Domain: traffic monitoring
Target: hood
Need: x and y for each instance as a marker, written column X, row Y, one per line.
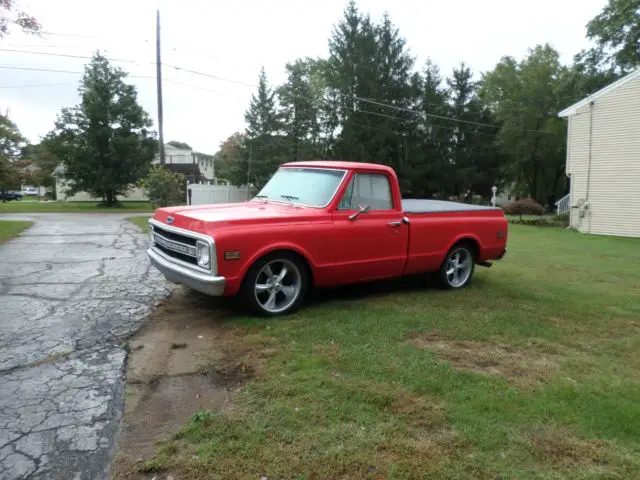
column 197, row 218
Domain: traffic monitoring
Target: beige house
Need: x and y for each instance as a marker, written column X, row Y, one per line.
column 196, row 167
column 603, row 160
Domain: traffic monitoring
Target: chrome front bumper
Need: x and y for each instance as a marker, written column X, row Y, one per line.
column 202, row 282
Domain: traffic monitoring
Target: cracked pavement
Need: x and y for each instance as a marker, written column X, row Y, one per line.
column 72, row 287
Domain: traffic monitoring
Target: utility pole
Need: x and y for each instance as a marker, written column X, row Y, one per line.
column 249, row 166
column 159, row 80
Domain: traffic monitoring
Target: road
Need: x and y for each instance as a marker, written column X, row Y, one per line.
column 72, row 287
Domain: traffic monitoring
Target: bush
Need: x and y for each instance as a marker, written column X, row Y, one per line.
column 539, row 222
column 526, row 206
column 562, row 218
column 163, row 187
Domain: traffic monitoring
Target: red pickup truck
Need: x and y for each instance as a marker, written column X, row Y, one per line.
column 321, row 224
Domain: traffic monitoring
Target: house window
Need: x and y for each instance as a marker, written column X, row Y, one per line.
column 367, row 189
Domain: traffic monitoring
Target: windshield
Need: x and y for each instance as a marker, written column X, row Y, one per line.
column 312, row 187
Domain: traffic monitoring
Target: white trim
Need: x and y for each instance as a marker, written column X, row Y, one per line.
column 567, row 112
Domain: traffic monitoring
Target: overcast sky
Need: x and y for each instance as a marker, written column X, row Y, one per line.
column 233, row 39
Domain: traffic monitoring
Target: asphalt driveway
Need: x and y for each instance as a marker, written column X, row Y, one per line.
column 72, row 287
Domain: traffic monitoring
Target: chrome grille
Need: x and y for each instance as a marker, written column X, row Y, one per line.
column 175, row 245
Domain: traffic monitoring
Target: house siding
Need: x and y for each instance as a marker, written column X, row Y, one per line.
column 135, row 194
column 610, row 128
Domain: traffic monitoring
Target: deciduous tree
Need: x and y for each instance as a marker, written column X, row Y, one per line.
column 231, row 159
column 525, row 97
column 616, row 31
column 11, row 143
column 164, row 187
column 11, row 15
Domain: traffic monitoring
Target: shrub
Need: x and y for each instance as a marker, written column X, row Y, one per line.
column 526, row 206
column 538, row 222
column 562, row 218
column 164, row 187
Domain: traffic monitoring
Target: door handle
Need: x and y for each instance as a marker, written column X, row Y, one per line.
column 395, row 224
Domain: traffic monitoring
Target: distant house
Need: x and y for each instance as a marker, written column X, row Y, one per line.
column 27, row 169
column 196, row 167
column 603, row 160
column 203, row 171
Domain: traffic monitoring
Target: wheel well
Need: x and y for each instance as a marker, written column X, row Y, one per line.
column 472, row 243
column 302, row 258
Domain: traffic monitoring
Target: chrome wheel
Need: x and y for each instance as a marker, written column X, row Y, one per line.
column 277, row 285
column 459, row 265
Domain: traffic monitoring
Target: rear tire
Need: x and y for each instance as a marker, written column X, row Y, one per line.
column 275, row 285
column 458, row 267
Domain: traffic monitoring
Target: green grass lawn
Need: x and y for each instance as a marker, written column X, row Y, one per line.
column 12, row 228
column 39, row 207
column 142, row 222
column 531, row 372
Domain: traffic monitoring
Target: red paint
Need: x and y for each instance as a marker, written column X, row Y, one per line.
column 338, row 250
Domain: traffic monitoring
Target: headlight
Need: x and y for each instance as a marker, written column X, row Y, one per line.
column 202, row 254
column 150, row 228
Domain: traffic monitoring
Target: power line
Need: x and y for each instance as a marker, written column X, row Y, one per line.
column 35, row 69
column 52, row 70
column 67, row 55
column 325, row 102
column 216, row 77
column 74, row 35
column 237, row 82
column 431, row 115
column 36, row 85
column 145, row 77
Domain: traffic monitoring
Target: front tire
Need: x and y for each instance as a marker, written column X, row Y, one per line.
column 276, row 284
column 458, row 267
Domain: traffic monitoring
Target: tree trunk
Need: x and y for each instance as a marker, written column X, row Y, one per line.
column 110, row 198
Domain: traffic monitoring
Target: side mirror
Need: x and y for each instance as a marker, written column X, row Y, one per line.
column 361, row 209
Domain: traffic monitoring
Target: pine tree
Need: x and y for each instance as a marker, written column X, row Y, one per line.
column 264, row 141
column 299, row 110
column 432, row 170
column 104, row 142
column 392, row 86
column 369, row 66
column 474, row 158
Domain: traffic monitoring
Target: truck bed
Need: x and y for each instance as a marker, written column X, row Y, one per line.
column 439, row 206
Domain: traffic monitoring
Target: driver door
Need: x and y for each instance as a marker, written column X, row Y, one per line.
column 373, row 244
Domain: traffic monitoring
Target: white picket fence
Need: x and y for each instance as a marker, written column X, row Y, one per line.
column 203, row 194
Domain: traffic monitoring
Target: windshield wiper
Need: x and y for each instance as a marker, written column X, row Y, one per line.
column 290, row 197
column 259, row 197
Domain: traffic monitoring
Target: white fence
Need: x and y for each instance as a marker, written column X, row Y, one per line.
column 564, row 204
column 201, row 194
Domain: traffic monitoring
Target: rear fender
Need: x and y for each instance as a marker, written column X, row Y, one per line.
column 469, row 237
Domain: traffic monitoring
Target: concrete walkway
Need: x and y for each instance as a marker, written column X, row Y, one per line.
column 72, row 287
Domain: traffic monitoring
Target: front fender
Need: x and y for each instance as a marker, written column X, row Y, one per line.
column 234, row 284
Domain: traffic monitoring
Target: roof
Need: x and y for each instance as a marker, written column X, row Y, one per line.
column 339, row 165
column 567, row 112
